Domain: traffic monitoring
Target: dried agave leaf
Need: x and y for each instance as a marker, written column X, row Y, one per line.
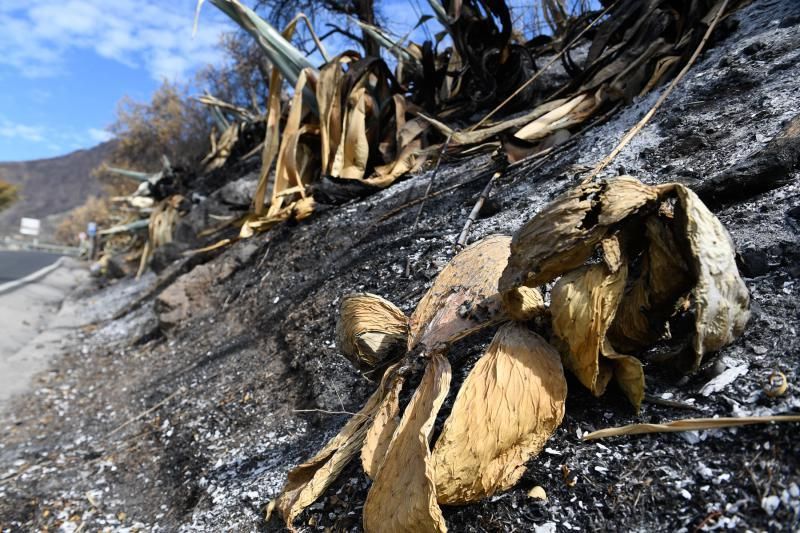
column 371, row 330
column 403, row 496
column 523, row 303
column 329, row 90
column 543, row 126
column 221, row 149
column 721, row 299
column 583, row 304
column 353, row 152
column 381, row 431
column 285, row 176
column 565, row 233
column 463, row 296
column 507, row 408
column 650, row 299
column 481, row 135
column 628, row 373
column 306, row 482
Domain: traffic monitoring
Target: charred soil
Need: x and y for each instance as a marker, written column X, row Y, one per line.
column 153, row 422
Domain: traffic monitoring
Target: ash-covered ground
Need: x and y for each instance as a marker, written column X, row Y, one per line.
column 186, row 415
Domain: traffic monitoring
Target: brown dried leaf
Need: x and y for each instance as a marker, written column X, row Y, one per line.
column 381, row 430
column 306, row 482
column 583, row 304
column 403, row 496
column 721, row 299
column 463, row 296
column 523, row 303
column 353, row 152
column 545, row 125
column 371, row 331
column 507, row 408
column 565, row 233
column 628, row 373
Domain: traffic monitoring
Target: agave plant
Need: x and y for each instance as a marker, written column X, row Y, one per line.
column 512, row 400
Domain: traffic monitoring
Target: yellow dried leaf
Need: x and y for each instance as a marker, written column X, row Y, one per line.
column 463, row 296
column 381, row 430
column 543, row 126
column 371, row 330
column 285, row 177
column 565, row 233
column 523, row 303
column 507, row 408
column 303, row 208
column 628, row 373
column 583, row 304
column 329, row 101
column 306, row 482
column 721, row 299
column 355, row 147
column 403, row 496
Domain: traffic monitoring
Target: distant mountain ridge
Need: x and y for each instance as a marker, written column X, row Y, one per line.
column 51, row 186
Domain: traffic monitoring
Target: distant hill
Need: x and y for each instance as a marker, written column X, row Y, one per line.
column 51, row 186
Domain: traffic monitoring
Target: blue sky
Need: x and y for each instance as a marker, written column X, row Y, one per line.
column 64, row 64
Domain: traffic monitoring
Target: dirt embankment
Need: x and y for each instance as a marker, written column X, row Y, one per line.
column 192, row 421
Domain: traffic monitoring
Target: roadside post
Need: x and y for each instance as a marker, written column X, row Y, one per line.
column 91, row 230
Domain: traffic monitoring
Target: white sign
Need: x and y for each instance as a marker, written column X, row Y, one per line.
column 29, row 226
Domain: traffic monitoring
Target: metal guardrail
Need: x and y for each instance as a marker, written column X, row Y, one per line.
column 13, row 244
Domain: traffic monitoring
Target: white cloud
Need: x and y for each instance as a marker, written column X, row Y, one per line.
column 152, row 34
column 14, row 130
column 100, row 136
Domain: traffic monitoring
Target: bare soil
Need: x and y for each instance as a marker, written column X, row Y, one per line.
column 148, row 425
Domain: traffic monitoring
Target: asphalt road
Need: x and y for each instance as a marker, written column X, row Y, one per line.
column 18, row 264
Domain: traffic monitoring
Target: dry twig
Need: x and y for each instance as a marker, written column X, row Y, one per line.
column 689, row 424
column 473, row 216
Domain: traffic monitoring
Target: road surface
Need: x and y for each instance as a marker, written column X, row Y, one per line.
column 18, row 264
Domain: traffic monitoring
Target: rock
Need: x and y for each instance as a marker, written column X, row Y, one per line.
column 166, row 254
column 765, row 170
column 753, row 48
column 789, row 21
column 752, row 262
column 237, row 193
column 794, row 213
column 190, row 295
column 770, row 504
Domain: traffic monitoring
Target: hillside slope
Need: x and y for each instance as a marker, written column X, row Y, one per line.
column 155, row 423
column 51, row 186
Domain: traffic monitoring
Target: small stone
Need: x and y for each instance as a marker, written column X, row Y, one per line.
column 754, row 48
column 770, row 504
column 537, row 493
column 759, row 350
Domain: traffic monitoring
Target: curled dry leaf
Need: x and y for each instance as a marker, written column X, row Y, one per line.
column 463, row 296
column 507, row 408
column 371, row 331
column 564, row 234
column 403, row 496
column 721, row 299
column 523, row 303
column 382, row 429
column 306, row 482
column 583, row 304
